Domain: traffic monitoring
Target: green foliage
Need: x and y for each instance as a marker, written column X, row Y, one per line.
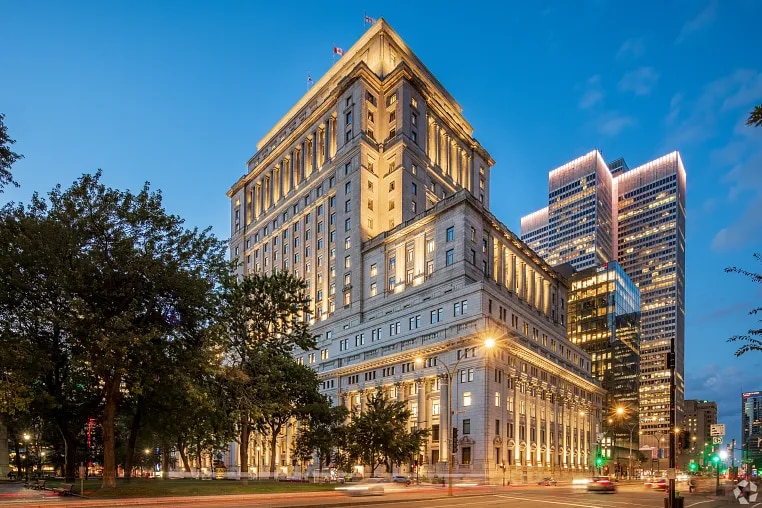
column 262, row 323
column 322, row 431
column 751, row 340
column 106, row 292
column 7, row 157
column 380, row 434
column 755, row 117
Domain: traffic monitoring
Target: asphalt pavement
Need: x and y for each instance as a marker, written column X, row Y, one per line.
column 633, row 495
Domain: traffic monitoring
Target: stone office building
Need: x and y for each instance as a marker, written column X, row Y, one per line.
column 373, row 189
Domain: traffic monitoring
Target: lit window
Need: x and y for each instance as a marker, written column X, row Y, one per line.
column 373, row 270
column 466, row 400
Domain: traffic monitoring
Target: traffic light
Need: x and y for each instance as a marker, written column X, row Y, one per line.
column 715, row 459
column 599, row 461
column 454, row 439
column 692, row 467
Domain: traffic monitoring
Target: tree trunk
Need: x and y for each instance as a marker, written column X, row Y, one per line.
column 273, row 451
column 244, row 449
column 109, row 421
column 198, row 456
column 129, row 457
column 70, row 453
column 164, row 461
column 183, row 455
column 17, row 459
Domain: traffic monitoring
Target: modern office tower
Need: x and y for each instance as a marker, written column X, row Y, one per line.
column 646, row 235
column 751, row 432
column 604, row 320
column 373, row 188
column 698, row 417
column 579, row 217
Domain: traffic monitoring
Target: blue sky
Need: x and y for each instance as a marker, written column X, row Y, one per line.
column 178, row 94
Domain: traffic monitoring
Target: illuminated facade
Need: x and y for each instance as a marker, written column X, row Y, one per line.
column 646, row 235
column 604, row 320
column 373, row 189
column 751, row 431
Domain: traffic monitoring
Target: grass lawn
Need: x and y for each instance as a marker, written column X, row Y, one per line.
column 151, row 487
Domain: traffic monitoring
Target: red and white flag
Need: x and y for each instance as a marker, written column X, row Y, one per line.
column 338, row 51
column 369, row 20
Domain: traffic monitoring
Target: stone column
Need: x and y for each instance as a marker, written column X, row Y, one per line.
column 516, row 421
column 444, row 419
column 4, row 458
column 422, row 409
column 547, row 429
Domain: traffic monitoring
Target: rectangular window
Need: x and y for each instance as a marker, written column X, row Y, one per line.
column 466, row 402
column 347, row 261
column 347, row 224
column 373, row 270
column 373, row 289
column 449, row 257
column 466, row 424
column 436, row 315
column 450, row 233
column 430, row 246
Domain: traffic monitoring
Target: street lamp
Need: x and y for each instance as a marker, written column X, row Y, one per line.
column 488, row 343
column 622, row 412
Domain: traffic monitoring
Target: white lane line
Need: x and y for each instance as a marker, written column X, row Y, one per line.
column 566, row 503
column 700, row 502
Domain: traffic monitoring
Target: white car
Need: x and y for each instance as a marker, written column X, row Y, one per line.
column 365, row 487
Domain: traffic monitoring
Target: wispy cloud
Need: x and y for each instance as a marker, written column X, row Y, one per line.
column 701, row 20
column 633, row 47
column 612, row 123
column 593, row 92
column 640, row 81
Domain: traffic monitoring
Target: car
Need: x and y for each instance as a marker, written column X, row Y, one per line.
column 660, row 484
column 600, row 484
column 400, row 478
column 548, row 482
column 365, row 487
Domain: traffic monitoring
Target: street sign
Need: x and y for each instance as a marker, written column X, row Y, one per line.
column 717, row 429
column 717, row 440
column 671, row 473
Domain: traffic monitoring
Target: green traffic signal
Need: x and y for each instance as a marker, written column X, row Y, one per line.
column 598, row 461
column 692, row 466
column 715, row 458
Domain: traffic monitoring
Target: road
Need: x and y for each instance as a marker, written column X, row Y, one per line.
column 627, row 496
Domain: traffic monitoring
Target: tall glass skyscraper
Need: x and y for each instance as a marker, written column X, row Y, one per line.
column 604, row 320
column 644, row 230
column 751, row 431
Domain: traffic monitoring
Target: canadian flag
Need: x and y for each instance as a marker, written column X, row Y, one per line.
column 338, row 51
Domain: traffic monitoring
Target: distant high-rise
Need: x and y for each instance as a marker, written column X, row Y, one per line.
column 600, row 212
column 751, row 430
column 698, row 417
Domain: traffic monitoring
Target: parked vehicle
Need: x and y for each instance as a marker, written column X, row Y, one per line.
column 399, row 478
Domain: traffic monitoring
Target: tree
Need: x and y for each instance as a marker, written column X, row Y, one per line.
column 288, row 391
column 262, row 319
column 322, row 432
column 7, row 157
column 379, row 434
column 751, row 340
column 755, row 117
column 129, row 291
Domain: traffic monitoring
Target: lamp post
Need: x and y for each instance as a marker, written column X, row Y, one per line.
column 489, row 343
column 622, row 412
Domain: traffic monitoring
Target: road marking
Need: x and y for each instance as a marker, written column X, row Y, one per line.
column 700, row 502
column 565, row 503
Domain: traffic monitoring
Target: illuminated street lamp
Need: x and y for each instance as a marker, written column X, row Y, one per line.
column 488, row 343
